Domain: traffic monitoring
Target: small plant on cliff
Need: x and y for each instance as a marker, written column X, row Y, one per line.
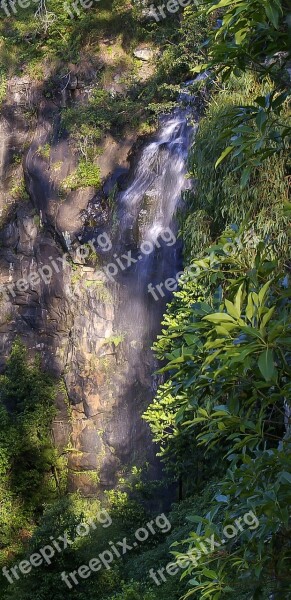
column 19, row 191
column 86, row 175
column 44, row 151
column 3, row 87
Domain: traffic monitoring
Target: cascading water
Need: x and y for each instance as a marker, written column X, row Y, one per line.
column 147, row 230
column 147, row 225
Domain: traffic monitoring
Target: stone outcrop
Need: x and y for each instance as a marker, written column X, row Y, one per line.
column 62, row 307
column 144, row 53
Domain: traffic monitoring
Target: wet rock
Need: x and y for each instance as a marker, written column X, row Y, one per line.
column 89, row 439
column 9, row 235
column 85, row 461
column 109, row 470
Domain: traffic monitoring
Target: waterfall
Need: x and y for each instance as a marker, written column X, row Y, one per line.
column 147, row 232
column 147, row 221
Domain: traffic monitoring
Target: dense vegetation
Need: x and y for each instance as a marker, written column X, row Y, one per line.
column 227, row 334
column 221, row 418
column 28, row 461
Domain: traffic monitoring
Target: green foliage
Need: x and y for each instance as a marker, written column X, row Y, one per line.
column 45, row 151
column 133, row 591
column 103, row 113
column 18, row 190
column 3, row 86
column 255, row 36
column 28, row 462
column 64, row 516
column 219, row 199
column 180, row 451
column 259, row 132
column 86, row 174
column 249, row 32
column 31, row 36
column 229, row 389
column 227, row 350
column 143, row 101
column 115, row 340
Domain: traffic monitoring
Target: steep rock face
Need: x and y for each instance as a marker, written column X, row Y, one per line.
column 61, row 306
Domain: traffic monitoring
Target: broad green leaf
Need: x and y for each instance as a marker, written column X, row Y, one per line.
column 280, row 99
column 212, row 345
column 250, row 310
column 224, row 154
column 209, row 573
column 220, row 4
column 220, row 330
column 222, row 407
column 241, row 356
column 190, row 339
column 232, row 310
column 245, row 176
column 219, row 318
column 240, row 36
column 194, row 582
column 234, row 405
column 227, row 327
column 199, row 68
column 266, row 318
column 238, row 299
column 272, row 13
column 263, row 291
column 266, row 364
column 261, row 120
column 203, row 412
column 261, row 100
column 194, row 519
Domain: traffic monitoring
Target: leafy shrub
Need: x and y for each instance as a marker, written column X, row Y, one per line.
column 86, row 174
column 219, row 199
column 229, row 389
column 28, row 460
